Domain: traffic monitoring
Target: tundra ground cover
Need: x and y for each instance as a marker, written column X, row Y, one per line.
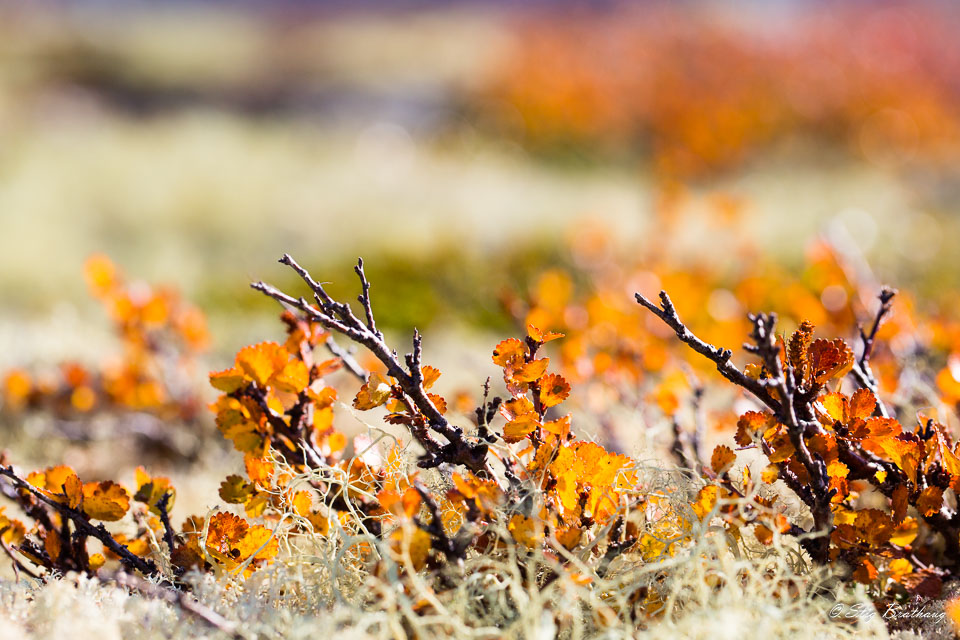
column 564, row 451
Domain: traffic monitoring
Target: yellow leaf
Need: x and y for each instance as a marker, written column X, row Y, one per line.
column 706, row 500
column 228, row 380
column 770, row 474
column 526, row 531
column 413, row 540
column 905, row 533
column 292, row 378
column 260, row 361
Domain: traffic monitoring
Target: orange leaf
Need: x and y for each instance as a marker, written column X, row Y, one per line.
column 374, row 392
column 829, row 359
column 836, row 405
column 516, row 430
column 763, row 534
column 150, row 490
column 323, row 398
column 509, row 353
column 862, row 404
column 553, row 390
column 100, row 273
column 898, row 502
column 260, row 361
column 781, row 447
column 532, row 371
column 430, row 376
column 559, row 427
column 517, row 407
column 930, row 501
column 541, row 336
column 751, row 423
column 866, row 572
column 61, row 483
column 951, row 463
column 52, row 545
column 438, row 402
column 706, row 500
column 770, row 474
column 904, row 454
column 415, row 541
column 105, row 500
column 722, row 459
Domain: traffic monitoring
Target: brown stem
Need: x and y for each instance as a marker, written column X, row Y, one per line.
column 339, row 317
column 83, row 526
column 720, row 357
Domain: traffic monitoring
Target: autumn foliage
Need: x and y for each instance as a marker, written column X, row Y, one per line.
column 833, row 453
column 643, row 80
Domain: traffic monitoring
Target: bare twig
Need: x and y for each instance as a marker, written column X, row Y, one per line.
column 162, row 507
column 677, row 445
column 861, row 370
column 174, row 596
column 439, row 538
column 339, row 317
column 82, row 525
column 720, row 357
column 349, row 362
column 789, row 403
column 364, row 298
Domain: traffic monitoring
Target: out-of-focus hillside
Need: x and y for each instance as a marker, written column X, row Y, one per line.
column 195, row 144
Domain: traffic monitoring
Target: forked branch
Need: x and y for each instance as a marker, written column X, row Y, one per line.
column 82, row 525
column 861, row 370
column 339, row 317
column 720, row 357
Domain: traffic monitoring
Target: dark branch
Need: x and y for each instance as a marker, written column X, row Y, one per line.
column 861, row 371
column 720, row 357
column 349, row 362
column 82, row 525
column 173, row 596
column 162, row 507
column 364, row 298
column 339, row 317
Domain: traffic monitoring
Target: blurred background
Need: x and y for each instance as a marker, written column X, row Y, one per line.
column 461, row 148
